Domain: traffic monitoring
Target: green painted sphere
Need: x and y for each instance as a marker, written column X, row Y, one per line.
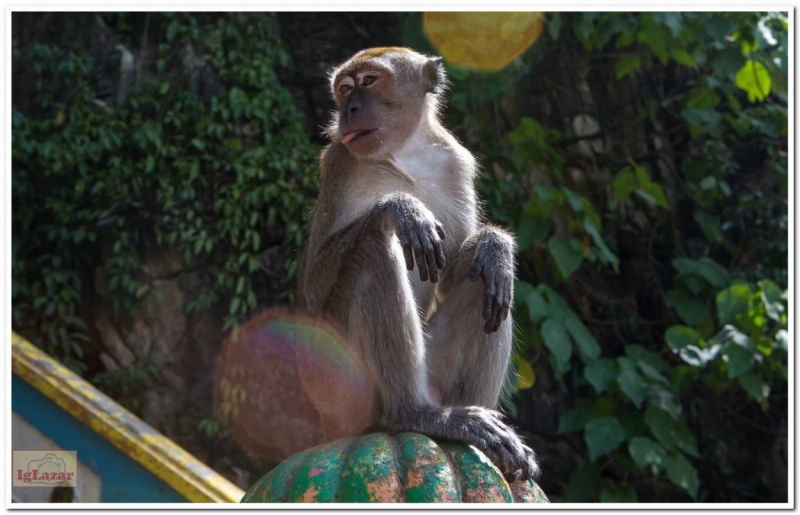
column 407, row 467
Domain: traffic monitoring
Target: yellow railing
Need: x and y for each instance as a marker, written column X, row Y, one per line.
column 158, row 454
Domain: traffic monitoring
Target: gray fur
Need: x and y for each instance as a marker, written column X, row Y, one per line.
column 435, row 344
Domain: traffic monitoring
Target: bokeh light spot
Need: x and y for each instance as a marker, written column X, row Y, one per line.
column 483, row 41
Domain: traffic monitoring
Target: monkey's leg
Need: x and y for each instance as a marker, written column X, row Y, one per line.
column 373, row 300
column 470, row 334
column 467, row 367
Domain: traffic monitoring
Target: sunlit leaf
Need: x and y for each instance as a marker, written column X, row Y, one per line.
column 526, row 377
column 754, row 78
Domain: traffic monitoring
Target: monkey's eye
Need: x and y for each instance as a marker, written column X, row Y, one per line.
column 345, row 88
column 369, row 80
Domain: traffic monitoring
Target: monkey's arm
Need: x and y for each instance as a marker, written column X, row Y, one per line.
column 418, row 231
column 487, row 254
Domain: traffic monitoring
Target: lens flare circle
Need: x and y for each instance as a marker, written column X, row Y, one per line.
column 482, row 41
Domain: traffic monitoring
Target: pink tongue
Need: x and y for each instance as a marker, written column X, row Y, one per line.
column 347, row 138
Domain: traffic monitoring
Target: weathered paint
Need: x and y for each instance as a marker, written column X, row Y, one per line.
column 156, row 453
column 481, row 481
column 407, row 467
column 429, row 477
column 317, row 480
column 372, row 473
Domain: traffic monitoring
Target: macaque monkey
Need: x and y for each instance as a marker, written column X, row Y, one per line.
column 397, row 192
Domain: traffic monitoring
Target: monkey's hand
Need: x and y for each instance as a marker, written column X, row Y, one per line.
column 419, row 233
column 494, row 263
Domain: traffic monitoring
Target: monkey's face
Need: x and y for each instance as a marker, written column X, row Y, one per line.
column 365, row 118
column 380, row 97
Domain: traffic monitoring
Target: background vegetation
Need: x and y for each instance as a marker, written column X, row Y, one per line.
column 641, row 159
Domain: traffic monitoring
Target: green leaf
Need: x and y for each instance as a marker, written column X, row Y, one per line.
column 771, row 296
column 661, row 425
column 600, row 374
column 587, row 344
column 653, row 35
column 575, row 419
column 718, row 27
column 624, row 184
column 680, row 336
column 682, row 56
column 566, row 258
column 727, row 62
column 608, row 256
column 670, row 19
column 584, row 484
column 531, row 229
column 692, row 310
column 712, row 272
column 658, row 395
column 754, row 78
column 703, row 98
column 557, row 340
column 685, row 439
column 739, row 359
column 710, row 225
column 603, row 435
column 683, row 474
column 575, row 200
column 643, row 356
column 619, row 495
column 537, row 306
column 707, row 119
column 627, row 65
column 646, row 452
column 731, row 301
column 554, row 25
column 633, row 385
column 754, row 386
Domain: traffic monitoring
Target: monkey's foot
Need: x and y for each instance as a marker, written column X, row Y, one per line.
column 485, row 429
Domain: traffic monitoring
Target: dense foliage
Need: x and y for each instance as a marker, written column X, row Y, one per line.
column 99, row 185
column 652, row 225
column 705, row 332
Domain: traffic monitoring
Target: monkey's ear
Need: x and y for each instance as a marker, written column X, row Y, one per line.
column 434, row 72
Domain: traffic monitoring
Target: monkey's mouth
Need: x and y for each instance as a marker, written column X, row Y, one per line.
column 352, row 136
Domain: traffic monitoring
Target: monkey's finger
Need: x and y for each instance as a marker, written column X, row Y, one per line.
column 420, row 258
column 440, row 260
column 506, row 303
column 409, row 256
column 430, row 259
column 497, row 309
column 504, row 313
column 440, row 231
